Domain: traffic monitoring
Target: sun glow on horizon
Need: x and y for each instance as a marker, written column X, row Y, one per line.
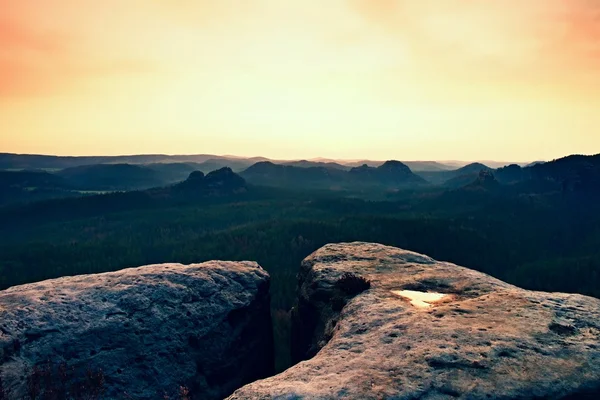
column 381, row 79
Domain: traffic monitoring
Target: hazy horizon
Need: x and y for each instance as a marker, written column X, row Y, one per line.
column 312, row 159
column 349, row 79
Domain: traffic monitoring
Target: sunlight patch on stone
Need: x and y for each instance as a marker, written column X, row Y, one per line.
column 419, row 299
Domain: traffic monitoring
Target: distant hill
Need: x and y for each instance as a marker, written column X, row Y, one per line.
column 270, row 174
column 27, row 186
column 138, row 172
column 34, row 161
column 415, row 166
column 213, row 164
column 210, row 161
column 391, row 174
column 308, row 164
column 32, row 179
column 454, row 178
column 471, row 168
column 216, row 183
column 218, row 186
column 38, row 185
column 513, row 173
column 455, row 164
column 535, row 163
column 576, row 173
column 112, row 177
column 370, row 163
column 427, row 166
column 174, row 172
column 485, row 181
column 574, row 178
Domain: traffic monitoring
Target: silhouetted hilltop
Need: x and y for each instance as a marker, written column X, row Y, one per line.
column 455, row 178
column 363, row 171
column 224, row 179
column 472, row 168
column 485, row 181
column 534, row 163
column 576, row 173
column 395, row 169
column 413, row 165
column 270, row 174
column 512, row 173
column 390, row 172
column 567, row 167
column 217, row 183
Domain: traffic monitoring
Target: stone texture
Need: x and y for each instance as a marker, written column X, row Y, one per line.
column 484, row 340
column 149, row 329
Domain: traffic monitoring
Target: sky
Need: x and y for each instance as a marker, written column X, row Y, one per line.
column 503, row 80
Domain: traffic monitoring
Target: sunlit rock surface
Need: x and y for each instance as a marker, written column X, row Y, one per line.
column 149, row 330
column 420, row 299
column 484, row 339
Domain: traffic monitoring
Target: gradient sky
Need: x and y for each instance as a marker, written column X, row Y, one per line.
column 380, row 79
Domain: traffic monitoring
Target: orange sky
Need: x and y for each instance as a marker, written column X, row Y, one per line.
column 380, row 79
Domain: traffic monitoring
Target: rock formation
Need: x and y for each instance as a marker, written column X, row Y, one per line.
column 432, row 330
column 216, row 183
column 139, row 333
column 485, row 181
column 390, row 172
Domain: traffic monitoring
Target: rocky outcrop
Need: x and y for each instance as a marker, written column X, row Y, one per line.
column 484, row 181
column 139, row 333
column 432, row 330
column 216, row 183
column 389, row 173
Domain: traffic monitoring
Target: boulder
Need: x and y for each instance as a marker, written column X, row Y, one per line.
column 160, row 331
column 426, row 329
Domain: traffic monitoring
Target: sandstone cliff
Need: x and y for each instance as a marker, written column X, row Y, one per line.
column 139, row 333
column 432, row 330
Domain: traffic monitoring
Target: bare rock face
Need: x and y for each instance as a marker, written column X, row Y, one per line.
column 432, row 330
column 154, row 332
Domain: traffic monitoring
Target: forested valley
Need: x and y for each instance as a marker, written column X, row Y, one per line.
column 545, row 240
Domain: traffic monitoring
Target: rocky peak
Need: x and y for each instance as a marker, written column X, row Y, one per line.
column 263, row 166
column 224, row 178
column 390, row 172
column 395, row 167
column 196, row 176
column 219, row 182
column 485, row 180
column 363, row 169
